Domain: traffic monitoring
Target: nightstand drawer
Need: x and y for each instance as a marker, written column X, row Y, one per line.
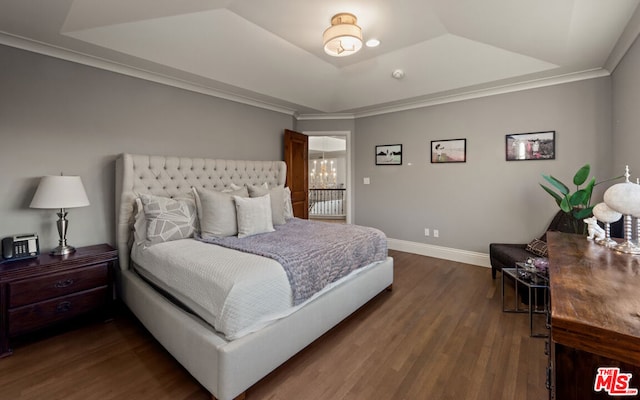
column 49, row 286
column 35, row 316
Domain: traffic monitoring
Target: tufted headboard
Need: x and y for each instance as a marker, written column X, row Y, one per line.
column 174, row 177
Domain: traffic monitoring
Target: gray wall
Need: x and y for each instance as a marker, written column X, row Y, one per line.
column 626, row 113
column 486, row 199
column 59, row 116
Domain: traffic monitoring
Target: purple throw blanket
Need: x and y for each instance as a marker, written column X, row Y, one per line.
column 313, row 254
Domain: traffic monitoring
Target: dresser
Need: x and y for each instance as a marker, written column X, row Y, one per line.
column 595, row 320
column 48, row 290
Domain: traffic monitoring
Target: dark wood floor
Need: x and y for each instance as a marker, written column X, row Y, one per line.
column 440, row 334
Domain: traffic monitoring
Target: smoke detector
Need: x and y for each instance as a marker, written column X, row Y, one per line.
column 398, row 74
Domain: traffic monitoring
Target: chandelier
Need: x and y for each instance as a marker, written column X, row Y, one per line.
column 325, row 177
column 343, row 37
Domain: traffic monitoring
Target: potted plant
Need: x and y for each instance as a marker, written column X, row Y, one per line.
column 577, row 205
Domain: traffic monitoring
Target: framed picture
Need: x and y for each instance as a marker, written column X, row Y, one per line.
column 531, row 146
column 449, row 151
column 389, row 154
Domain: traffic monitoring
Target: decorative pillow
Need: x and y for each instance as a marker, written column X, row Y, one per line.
column 140, row 224
column 288, row 207
column 277, row 201
column 168, row 219
column 217, row 212
column 538, row 247
column 254, row 215
column 232, row 188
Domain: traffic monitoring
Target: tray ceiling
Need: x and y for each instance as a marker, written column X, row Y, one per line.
column 270, row 52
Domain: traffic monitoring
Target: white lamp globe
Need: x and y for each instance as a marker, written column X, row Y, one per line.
column 623, row 198
column 604, row 213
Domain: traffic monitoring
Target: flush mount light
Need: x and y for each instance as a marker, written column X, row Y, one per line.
column 343, row 37
column 373, row 43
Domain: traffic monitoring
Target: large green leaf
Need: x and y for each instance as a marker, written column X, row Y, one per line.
column 581, row 197
column 552, row 193
column 581, row 176
column 557, row 184
column 590, row 185
column 582, row 213
column 564, row 205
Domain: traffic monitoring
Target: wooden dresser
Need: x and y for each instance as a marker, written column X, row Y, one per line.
column 595, row 320
column 48, row 290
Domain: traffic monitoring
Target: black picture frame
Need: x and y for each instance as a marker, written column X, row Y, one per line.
column 448, row 151
column 389, row 154
column 532, row 146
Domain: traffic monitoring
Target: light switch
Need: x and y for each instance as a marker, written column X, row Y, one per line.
column 367, row 181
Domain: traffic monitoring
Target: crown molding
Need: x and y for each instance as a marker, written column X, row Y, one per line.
column 327, row 116
column 533, row 84
column 624, row 43
column 100, row 63
column 96, row 62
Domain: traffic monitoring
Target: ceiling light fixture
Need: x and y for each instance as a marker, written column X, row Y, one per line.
column 373, row 43
column 343, row 37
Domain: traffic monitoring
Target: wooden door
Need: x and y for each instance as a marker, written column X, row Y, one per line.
column 296, row 156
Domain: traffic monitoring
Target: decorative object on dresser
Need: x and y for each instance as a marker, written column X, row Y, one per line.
column 606, row 215
column 576, row 205
column 48, row 290
column 625, row 198
column 60, row 192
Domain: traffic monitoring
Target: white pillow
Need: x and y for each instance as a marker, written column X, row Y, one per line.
column 288, row 207
column 277, row 201
column 254, row 215
column 217, row 212
column 140, row 224
column 167, row 219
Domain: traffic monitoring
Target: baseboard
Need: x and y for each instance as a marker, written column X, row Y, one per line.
column 446, row 253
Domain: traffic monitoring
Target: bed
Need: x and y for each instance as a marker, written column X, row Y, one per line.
column 225, row 366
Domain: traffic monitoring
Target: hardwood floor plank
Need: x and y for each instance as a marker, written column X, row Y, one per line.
column 440, row 334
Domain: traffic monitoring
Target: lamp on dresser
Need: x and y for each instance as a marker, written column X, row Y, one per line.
column 60, row 192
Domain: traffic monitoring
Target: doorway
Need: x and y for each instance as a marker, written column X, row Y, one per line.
column 329, row 175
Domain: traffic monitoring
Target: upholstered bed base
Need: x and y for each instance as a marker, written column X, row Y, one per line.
column 228, row 369
column 225, row 368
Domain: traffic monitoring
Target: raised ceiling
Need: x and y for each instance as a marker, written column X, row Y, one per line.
column 269, row 52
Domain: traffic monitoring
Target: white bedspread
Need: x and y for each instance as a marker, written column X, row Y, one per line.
column 237, row 293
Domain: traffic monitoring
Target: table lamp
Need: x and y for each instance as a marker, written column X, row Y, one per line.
column 60, row 192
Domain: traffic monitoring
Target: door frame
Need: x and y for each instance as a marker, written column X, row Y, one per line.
column 349, row 191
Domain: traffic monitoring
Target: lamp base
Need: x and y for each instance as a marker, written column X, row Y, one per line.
column 62, row 250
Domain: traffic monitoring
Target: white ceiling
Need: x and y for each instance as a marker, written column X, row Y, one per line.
column 269, row 52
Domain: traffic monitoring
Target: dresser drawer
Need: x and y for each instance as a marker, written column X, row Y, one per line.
column 35, row 316
column 47, row 287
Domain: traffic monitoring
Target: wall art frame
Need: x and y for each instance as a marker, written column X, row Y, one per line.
column 389, row 154
column 448, row 151
column 530, row 146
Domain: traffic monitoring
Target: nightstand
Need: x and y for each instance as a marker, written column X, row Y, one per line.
column 47, row 290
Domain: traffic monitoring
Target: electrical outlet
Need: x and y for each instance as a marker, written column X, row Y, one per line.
column 426, row 231
column 436, row 233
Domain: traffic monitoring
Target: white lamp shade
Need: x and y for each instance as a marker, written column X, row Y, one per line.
column 624, row 198
column 60, row 191
column 605, row 214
